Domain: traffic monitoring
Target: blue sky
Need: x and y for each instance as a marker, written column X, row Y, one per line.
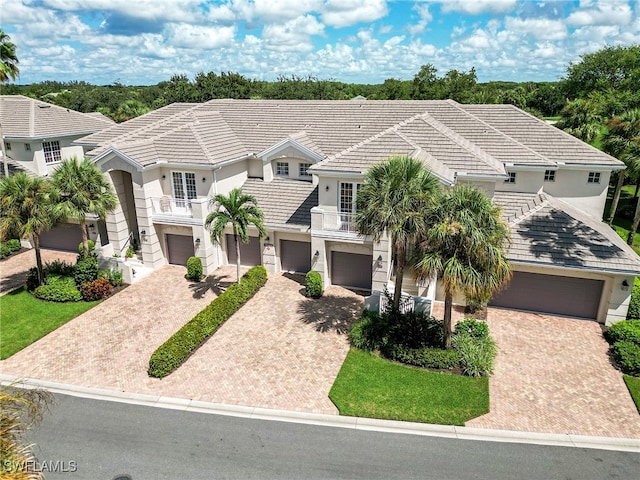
column 139, row 42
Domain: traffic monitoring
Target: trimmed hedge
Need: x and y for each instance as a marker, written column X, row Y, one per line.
column 627, row 357
column 194, row 269
column 428, row 357
column 179, row 347
column 634, row 304
column 313, row 284
column 627, row 331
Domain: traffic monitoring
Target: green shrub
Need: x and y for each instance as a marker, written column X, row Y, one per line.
column 477, row 354
column 130, row 253
column 14, row 245
column 113, row 275
column 5, row 251
column 92, row 247
column 96, row 290
column 427, row 357
column 172, row 353
column 634, row 304
column 625, row 331
column 31, row 280
column 58, row 289
column 370, row 332
column 194, row 269
column 415, row 330
column 86, row 270
column 313, row 284
column 59, row 267
column 627, row 357
column 472, row 328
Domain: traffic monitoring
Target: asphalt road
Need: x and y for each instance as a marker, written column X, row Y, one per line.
column 95, row 440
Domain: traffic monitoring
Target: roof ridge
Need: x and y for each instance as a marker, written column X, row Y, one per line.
column 457, row 106
column 32, row 118
column 462, row 141
column 534, row 207
column 192, row 126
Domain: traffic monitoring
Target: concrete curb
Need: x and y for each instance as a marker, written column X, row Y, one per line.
column 357, row 423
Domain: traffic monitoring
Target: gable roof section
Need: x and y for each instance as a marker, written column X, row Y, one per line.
column 547, row 231
column 23, row 117
column 286, row 203
column 549, row 141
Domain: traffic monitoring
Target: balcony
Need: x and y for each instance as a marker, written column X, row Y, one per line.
column 171, row 207
column 339, row 222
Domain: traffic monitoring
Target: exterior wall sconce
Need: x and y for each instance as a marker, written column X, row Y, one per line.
column 143, row 232
column 204, row 179
column 164, row 176
column 266, row 239
column 326, row 188
column 625, row 285
column 379, row 261
column 197, row 242
column 317, row 254
column 92, row 227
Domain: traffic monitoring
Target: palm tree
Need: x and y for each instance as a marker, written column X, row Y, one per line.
column 392, row 201
column 20, row 409
column 8, row 59
column 622, row 140
column 464, row 246
column 26, row 210
column 581, row 119
column 81, row 189
column 239, row 210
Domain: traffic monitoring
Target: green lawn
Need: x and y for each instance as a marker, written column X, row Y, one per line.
column 25, row 319
column 633, row 384
column 369, row 386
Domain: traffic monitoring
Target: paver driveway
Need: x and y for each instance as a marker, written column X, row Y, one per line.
column 553, row 374
column 280, row 350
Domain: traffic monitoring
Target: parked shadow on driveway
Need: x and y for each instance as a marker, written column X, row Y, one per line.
column 330, row 312
column 214, row 283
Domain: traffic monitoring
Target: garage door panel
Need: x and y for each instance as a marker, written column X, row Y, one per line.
column 576, row 297
column 66, row 236
column 295, row 256
column 179, row 249
column 351, row 270
column 250, row 253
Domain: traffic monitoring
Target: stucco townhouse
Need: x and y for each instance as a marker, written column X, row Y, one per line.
column 304, row 160
column 37, row 136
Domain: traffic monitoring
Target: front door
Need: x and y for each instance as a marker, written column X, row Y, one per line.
column 184, row 188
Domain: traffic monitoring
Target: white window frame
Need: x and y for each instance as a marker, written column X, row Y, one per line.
column 594, row 177
column 52, row 151
column 511, row 177
column 280, row 167
column 187, row 191
column 303, row 170
column 549, row 175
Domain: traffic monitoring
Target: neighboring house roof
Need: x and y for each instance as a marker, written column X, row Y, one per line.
column 550, row 232
column 14, row 167
column 25, row 118
column 350, row 136
column 286, row 203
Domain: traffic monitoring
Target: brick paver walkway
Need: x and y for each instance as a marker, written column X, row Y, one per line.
column 280, row 350
column 14, row 269
column 553, row 374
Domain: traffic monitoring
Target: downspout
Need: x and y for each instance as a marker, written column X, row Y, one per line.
column 215, row 192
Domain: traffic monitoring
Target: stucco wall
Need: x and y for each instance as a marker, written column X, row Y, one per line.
column 294, row 167
column 572, row 187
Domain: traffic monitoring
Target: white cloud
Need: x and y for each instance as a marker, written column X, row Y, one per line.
column 342, row 13
column 425, row 17
column 476, row 7
column 293, row 35
column 183, row 35
column 538, row 28
column 170, row 10
column 605, row 12
column 273, row 11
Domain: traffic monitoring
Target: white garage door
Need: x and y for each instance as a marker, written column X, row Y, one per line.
column 351, row 270
column 179, row 249
column 66, row 236
column 575, row 297
column 295, row 256
column 250, row 254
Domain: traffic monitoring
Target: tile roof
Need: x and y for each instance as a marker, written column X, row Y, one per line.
column 548, row 231
column 286, row 203
column 23, row 117
column 350, row 135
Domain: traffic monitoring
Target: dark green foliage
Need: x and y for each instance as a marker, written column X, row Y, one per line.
column 58, row 289
column 194, row 269
column 472, row 328
column 59, row 267
column 625, row 331
column 634, row 303
column 96, row 290
column 313, row 284
column 172, row 353
column 113, row 275
column 477, row 354
column 627, row 357
column 5, row 251
column 370, row 332
column 11, row 246
column 86, row 270
column 31, row 281
column 427, row 357
column 415, row 330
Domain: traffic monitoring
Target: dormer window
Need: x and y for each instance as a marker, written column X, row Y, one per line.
column 549, row 175
column 304, row 170
column 594, row 177
column 282, row 169
column 511, row 178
